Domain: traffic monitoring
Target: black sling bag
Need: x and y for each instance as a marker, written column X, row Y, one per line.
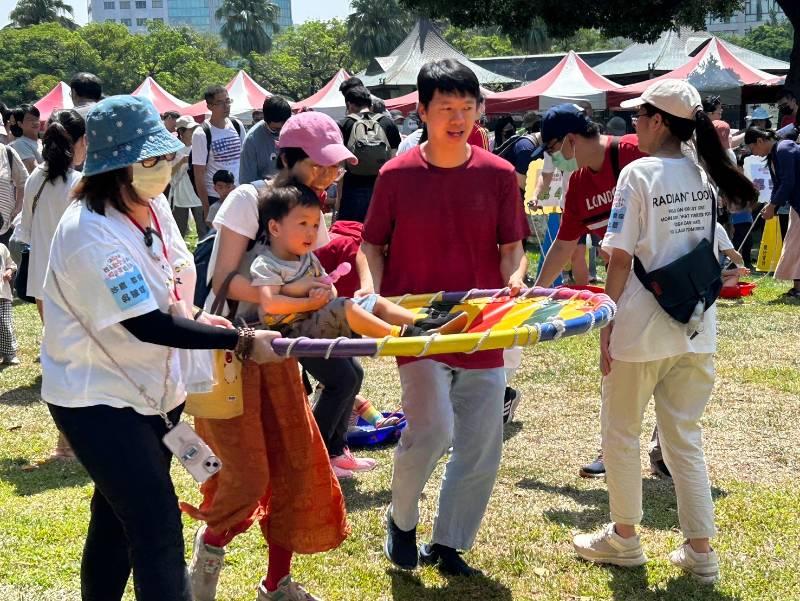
column 695, row 277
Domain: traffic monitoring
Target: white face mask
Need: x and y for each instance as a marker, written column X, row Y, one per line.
column 149, row 182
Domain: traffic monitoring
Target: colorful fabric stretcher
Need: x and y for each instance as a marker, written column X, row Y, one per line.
column 497, row 321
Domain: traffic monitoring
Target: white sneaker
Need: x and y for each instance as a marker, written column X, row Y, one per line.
column 704, row 567
column 205, row 567
column 606, row 546
column 287, row 590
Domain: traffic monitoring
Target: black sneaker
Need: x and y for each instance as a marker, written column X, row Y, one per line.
column 444, row 323
column 400, row 546
column 510, row 403
column 446, row 559
column 595, row 469
column 659, row 468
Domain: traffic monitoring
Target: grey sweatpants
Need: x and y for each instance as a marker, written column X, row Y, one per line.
column 443, row 406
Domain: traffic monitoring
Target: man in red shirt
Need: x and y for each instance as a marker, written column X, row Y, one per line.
column 446, row 216
column 575, row 143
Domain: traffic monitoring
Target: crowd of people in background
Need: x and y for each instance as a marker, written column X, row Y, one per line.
column 94, row 216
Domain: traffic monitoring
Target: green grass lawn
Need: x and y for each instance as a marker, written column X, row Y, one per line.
column 752, row 428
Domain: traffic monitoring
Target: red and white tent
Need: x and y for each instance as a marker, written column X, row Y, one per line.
column 714, row 69
column 57, row 98
column 571, row 79
column 246, row 94
column 329, row 99
column 408, row 103
column 161, row 99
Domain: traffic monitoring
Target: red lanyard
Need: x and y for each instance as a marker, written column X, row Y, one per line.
column 149, row 233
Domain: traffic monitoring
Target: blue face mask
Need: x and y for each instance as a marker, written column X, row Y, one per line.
column 563, row 163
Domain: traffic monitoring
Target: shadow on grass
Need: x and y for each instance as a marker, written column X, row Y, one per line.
column 359, row 500
column 659, row 504
column 45, row 476
column 510, row 430
column 630, row 584
column 23, row 395
column 407, row 586
column 785, row 300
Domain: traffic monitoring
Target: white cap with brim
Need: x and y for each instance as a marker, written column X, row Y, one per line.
column 673, row 96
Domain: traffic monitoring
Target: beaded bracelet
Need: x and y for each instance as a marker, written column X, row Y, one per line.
column 244, row 346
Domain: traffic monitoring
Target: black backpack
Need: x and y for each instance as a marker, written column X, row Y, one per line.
column 506, row 149
column 207, row 129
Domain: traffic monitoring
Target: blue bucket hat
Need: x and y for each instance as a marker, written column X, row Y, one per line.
column 759, row 113
column 123, row 130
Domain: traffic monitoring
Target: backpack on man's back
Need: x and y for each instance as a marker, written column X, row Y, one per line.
column 369, row 143
column 207, row 131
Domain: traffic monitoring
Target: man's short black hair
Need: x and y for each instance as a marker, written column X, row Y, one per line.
column 447, row 76
column 212, row 91
column 24, row 109
column 170, row 115
column 378, row 105
column 276, row 109
column 358, row 96
column 349, row 83
column 224, row 176
column 788, row 94
column 87, row 85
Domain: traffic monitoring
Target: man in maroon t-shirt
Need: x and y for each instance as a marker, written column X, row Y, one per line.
column 566, row 130
column 446, row 216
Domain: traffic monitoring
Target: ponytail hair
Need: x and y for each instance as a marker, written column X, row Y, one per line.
column 732, row 183
column 64, row 128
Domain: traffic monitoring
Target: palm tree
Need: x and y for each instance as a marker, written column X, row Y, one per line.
column 376, row 27
column 248, row 25
column 34, row 12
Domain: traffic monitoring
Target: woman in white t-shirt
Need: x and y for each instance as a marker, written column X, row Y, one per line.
column 111, row 375
column 300, row 502
column 48, row 192
column 663, row 208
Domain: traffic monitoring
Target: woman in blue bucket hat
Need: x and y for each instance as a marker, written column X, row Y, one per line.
column 114, row 358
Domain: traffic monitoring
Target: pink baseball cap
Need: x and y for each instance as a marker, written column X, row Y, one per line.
column 318, row 135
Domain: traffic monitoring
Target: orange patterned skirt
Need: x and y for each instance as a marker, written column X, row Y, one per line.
column 275, row 468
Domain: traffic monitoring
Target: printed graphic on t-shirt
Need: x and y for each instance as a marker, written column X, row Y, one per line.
column 227, row 149
column 684, row 211
column 124, row 280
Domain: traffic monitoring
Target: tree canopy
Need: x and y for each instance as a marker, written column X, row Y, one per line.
column 180, row 59
column 304, row 57
column 36, row 12
column 248, row 25
column 640, row 21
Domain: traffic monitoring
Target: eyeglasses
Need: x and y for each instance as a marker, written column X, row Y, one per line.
column 226, row 102
column 551, row 148
column 339, row 168
column 638, row 116
column 153, row 161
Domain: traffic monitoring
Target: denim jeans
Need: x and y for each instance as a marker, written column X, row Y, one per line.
column 135, row 522
column 342, row 378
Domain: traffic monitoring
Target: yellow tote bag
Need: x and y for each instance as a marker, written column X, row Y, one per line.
column 224, row 401
column 771, row 244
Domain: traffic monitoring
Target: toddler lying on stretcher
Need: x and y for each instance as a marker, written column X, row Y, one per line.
column 297, row 299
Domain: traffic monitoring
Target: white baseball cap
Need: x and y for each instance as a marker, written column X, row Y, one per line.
column 186, row 122
column 674, row 96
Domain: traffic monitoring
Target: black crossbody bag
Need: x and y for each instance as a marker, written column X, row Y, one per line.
column 689, row 280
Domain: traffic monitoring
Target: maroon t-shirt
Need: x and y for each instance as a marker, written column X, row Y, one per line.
column 587, row 205
column 443, row 227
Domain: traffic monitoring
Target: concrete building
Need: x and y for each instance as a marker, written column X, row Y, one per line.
column 197, row 14
column 755, row 13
